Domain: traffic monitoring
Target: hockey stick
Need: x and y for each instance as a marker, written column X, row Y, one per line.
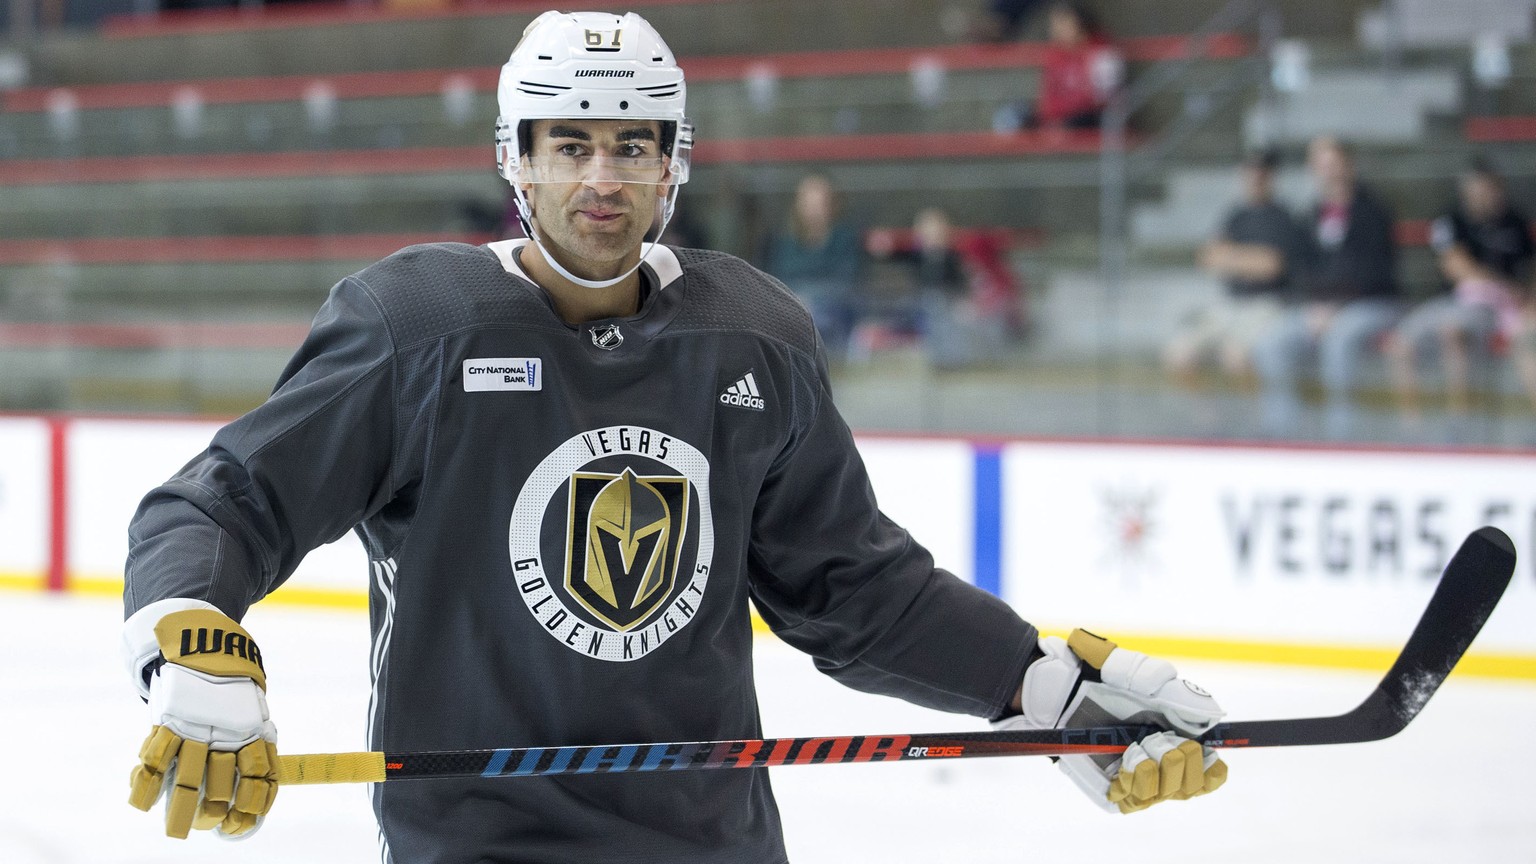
column 1471, row 586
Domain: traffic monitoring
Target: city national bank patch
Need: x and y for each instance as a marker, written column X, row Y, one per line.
column 503, row 373
column 612, row 540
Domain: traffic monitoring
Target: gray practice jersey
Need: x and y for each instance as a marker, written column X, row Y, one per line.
column 565, row 526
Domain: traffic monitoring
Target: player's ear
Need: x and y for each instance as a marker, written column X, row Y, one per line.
column 666, row 178
column 523, row 186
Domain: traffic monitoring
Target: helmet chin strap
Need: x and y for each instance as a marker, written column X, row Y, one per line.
column 525, row 216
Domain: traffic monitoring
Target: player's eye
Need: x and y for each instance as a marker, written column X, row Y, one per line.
column 570, row 151
column 631, row 150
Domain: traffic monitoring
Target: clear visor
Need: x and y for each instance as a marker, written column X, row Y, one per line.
column 577, row 164
column 598, row 167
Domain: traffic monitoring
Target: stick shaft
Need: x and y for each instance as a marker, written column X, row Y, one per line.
column 702, row 755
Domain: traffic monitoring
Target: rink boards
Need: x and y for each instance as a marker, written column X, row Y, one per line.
column 1308, row 556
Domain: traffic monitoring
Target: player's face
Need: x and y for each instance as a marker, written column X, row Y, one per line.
column 1065, row 27
column 813, row 200
column 932, row 229
column 1481, row 196
column 1258, row 183
column 600, row 182
column 1330, row 165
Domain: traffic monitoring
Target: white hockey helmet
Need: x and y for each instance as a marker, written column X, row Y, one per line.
column 592, row 65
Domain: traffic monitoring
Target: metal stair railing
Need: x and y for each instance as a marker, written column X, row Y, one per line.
column 1121, row 164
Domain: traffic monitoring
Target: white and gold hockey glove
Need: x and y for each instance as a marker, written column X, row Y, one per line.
column 1089, row 681
column 212, row 753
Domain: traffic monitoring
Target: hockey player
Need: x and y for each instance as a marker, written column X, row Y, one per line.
column 573, row 460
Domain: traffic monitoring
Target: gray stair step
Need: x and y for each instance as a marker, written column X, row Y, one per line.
column 692, row 30
column 115, row 291
column 1437, row 22
column 283, row 206
column 1037, row 189
column 720, row 110
column 1361, row 105
column 466, row 38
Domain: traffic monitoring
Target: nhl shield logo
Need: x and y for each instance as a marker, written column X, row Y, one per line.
column 612, row 541
column 607, row 337
column 625, row 537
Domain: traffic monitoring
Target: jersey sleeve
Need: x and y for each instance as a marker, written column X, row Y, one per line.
column 836, row 578
column 298, row 471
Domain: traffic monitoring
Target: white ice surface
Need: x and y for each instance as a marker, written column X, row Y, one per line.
column 1454, row 787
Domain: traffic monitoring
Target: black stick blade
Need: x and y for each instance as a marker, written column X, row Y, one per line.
column 1469, row 589
column 1473, row 582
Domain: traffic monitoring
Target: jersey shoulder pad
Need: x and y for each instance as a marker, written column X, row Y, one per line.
column 727, row 293
column 430, row 289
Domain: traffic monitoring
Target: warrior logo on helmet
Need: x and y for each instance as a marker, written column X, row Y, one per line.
column 612, row 541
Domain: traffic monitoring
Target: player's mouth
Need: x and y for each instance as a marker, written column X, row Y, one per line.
column 601, row 217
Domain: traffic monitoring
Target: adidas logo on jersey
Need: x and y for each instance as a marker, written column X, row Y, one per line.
column 743, row 394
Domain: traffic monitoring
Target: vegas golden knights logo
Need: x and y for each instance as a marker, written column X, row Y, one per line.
column 625, row 540
column 627, row 511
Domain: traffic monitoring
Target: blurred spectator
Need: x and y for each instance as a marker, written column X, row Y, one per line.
column 1005, row 20
column 1255, row 253
column 819, row 256
column 1485, row 251
column 940, row 284
column 996, row 293
column 1080, row 73
column 683, row 230
column 966, row 299
column 1523, row 350
column 1350, row 296
column 496, row 219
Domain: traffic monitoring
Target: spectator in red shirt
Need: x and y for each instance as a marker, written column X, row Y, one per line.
column 1080, row 73
column 1081, row 70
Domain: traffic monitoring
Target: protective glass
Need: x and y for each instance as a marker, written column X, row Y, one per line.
column 597, row 167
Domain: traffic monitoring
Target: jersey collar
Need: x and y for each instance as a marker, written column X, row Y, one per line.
column 661, row 261
column 660, row 266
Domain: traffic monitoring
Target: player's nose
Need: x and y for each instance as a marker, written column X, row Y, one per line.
column 603, row 175
column 602, row 185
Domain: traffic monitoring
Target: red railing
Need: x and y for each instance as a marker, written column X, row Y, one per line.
column 153, row 334
column 1490, row 130
column 216, row 250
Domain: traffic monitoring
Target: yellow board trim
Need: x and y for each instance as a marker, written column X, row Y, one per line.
column 1478, row 664
column 23, row 581
column 1360, row 658
column 95, row 587
column 288, row 595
